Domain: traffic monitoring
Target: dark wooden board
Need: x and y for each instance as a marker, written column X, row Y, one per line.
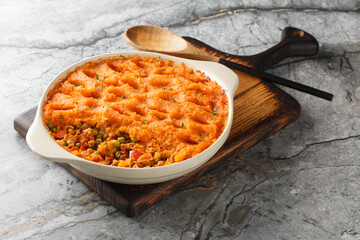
column 261, row 109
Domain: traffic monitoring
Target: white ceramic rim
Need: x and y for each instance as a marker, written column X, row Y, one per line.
column 41, row 143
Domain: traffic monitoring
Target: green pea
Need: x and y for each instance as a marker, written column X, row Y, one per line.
column 106, row 135
column 49, row 124
column 96, row 132
column 98, row 141
column 133, row 139
column 121, row 139
column 54, row 130
column 101, row 132
column 118, row 154
column 115, row 143
column 97, row 152
column 78, row 145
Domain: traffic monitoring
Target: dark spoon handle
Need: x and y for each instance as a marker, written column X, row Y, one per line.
column 276, row 79
column 294, row 43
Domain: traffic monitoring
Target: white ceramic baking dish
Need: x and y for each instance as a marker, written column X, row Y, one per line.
column 41, row 143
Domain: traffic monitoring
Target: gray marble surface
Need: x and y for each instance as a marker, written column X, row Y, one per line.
column 301, row 183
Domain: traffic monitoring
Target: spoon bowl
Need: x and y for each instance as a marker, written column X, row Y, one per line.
column 150, row 38
column 157, row 39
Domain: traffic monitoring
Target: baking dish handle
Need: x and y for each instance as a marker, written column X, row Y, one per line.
column 41, row 143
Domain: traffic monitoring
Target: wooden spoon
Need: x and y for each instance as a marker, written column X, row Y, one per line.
column 157, row 39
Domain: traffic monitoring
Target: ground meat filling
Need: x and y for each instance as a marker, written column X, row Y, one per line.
column 95, row 143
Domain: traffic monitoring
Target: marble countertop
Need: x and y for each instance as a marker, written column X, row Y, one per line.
column 301, row 183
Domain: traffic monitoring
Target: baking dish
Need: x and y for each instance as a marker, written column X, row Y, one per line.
column 41, row 143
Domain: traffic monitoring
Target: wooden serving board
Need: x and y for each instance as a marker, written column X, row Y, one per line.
column 261, row 109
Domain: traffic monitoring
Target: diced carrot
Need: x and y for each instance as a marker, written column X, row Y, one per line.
column 82, row 147
column 99, row 158
column 74, row 149
column 135, row 154
column 60, row 134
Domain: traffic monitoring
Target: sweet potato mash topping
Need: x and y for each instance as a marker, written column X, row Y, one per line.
column 135, row 112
